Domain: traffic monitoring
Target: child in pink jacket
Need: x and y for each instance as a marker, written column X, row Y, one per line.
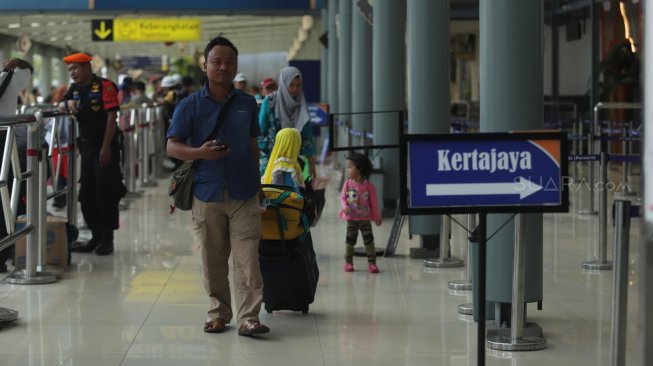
column 359, row 207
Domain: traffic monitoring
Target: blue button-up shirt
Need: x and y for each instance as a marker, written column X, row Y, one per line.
column 194, row 118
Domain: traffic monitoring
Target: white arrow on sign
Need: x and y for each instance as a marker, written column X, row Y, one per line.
column 523, row 187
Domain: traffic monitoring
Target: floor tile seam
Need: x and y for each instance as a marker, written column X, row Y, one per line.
column 405, row 329
column 395, row 274
column 421, row 324
column 393, row 353
column 57, row 355
column 259, row 352
column 140, row 328
column 319, row 339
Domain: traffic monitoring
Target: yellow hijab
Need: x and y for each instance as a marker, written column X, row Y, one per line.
column 284, row 156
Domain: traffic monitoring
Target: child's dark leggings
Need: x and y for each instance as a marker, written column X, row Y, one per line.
column 365, row 228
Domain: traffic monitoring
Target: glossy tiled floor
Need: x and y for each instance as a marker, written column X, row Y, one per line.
column 144, row 305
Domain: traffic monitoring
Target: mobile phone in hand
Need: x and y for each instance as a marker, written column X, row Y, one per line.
column 220, row 145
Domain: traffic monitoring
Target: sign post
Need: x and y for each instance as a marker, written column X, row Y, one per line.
column 483, row 173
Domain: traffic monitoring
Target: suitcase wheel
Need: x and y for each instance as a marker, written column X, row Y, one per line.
column 305, row 310
column 268, row 308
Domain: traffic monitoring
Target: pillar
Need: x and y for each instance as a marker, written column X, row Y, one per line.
column 332, row 59
column 324, row 27
column 361, row 72
column 344, row 58
column 388, row 79
column 512, row 100
column 428, row 81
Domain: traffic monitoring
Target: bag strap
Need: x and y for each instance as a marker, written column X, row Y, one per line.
column 5, row 83
column 221, row 116
column 281, row 197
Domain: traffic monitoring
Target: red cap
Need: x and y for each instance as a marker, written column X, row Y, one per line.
column 77, row 58
column 267, row 82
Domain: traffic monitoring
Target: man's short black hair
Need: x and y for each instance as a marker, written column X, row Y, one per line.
column 218, row 41
column 139, row 85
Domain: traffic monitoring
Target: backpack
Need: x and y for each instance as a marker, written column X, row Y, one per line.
column 284, row 217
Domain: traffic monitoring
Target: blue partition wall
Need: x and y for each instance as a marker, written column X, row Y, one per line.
column 311, row 78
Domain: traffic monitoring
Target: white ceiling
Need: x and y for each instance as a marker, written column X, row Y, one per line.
column 250, row 33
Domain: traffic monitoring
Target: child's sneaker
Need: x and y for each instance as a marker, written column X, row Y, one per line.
column 349, row 267
column 372, row 268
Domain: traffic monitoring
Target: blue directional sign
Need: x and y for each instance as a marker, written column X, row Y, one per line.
column 319, row 113
column 487, row 172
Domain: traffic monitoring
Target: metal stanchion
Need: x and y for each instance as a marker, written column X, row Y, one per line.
column 144, row 147
column 71, row 199
column 444, row 260
column 615, row 105
column 517, row 341
column 158, row 138
column 631, row 149
column 591, row 166
column 620, row 281
column 466, row 283
column 625, row 165
column 30, row 275
column 130, row 152
column 602, row 262
column 576, row 144
column 41, row 216
column 466, row 309
column 151, row 150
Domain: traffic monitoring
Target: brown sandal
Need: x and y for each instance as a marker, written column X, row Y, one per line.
column 216, row 325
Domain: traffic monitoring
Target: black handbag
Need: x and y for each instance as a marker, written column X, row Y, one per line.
column 181, row 182
column 5, row 83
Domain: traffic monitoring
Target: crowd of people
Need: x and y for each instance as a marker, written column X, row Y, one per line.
column 265, row 137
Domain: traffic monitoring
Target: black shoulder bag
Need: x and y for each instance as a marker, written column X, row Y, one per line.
column 181, row 183
column 6, row 82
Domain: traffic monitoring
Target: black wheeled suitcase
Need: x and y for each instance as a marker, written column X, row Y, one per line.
column 290, row 274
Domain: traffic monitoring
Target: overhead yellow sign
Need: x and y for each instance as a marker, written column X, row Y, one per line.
column 146, row 30
column 155, row 30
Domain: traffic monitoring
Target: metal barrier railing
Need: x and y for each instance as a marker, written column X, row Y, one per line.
column 61, row 141
column 597, row 131
column 144, row 138
column 33, row 226
column 156, row 115
column 127, row 123
column 602, row 263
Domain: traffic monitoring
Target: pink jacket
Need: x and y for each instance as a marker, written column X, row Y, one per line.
column 361, row 200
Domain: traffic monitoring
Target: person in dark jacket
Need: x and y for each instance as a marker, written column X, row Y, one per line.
column 94, row 101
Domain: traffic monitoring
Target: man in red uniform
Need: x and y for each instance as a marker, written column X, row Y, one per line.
column 94, row 101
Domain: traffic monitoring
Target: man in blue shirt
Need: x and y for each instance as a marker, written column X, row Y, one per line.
column 226, row 187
